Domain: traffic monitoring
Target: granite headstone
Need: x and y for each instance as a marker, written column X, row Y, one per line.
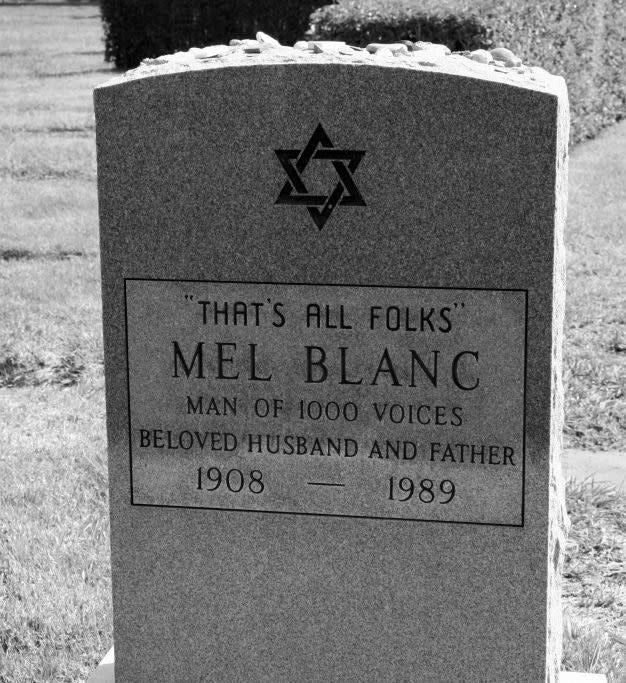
column 333, row 293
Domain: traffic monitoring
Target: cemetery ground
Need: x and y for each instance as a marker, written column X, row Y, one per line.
column 55, row 614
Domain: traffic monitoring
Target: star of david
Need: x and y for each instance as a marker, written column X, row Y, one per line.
column 345, row 163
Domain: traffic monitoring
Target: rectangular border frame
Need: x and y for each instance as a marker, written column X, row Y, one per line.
column 329, row 284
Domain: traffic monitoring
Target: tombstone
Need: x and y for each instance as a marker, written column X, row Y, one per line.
column 333, row 285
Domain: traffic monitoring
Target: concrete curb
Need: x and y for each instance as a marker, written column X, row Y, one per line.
column 599, row 466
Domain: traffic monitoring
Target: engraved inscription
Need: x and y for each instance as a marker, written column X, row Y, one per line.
column 356, row 401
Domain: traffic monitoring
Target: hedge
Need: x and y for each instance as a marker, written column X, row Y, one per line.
column 135, row 29
column 583, row 41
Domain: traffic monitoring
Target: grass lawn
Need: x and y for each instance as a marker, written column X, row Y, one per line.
column 55, row 611
column 595, row 322
column 594, row 589
column 55, row 615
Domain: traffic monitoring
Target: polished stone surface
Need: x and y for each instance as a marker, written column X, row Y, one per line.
column 398, row 184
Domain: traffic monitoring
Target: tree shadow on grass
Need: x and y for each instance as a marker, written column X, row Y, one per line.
column 82, row 72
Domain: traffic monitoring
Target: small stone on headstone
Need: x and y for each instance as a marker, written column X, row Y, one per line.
column 393, row 48
column 505, row 55
column 210, row 51
column 266, row 40
column 399, row 49
column 251, row 46
column 153, row 62
column 327, row 43
column 422, row 45
column 319, row 46
column 482, row 56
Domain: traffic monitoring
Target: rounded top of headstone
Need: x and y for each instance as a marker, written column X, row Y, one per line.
column 500, row 65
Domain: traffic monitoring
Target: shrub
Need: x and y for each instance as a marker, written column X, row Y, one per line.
column 582, row 41
column 135, row 29
column 362, row 22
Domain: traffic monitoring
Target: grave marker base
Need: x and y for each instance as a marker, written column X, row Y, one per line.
column 105, row 673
